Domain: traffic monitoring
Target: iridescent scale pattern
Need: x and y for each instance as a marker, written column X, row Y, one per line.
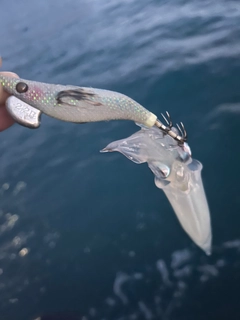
column 92, row 104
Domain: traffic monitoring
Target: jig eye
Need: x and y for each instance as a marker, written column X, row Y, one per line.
column 21, row 87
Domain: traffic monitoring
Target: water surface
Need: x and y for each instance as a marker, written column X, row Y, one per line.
column 87, row 234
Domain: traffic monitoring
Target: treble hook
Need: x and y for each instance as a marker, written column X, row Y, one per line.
column 183, row 131
column 168, row 129
column 168, row 120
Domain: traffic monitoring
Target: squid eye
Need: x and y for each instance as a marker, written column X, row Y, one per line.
column 160, row 170
column 21, row 87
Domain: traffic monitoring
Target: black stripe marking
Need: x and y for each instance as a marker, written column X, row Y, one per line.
column 79, row 94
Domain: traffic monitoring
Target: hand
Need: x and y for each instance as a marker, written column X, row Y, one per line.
column 5, row 119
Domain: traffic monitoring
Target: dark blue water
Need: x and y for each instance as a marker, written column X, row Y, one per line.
column 88, row 235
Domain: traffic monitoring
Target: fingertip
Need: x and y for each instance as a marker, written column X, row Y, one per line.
column 6, row 120
column 9, row 74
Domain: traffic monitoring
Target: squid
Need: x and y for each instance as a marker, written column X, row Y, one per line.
column 158, row 143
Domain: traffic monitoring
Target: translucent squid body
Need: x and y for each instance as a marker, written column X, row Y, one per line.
column 177, row 174
column 163, row 147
